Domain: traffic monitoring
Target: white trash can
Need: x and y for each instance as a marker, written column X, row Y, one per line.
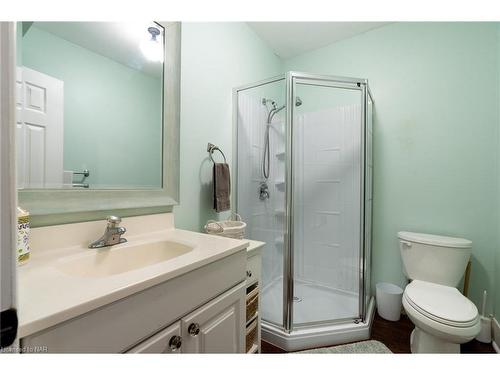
column 389, row 300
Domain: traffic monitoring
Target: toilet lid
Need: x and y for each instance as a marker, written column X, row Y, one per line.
column 441, row 303
column 434, row 240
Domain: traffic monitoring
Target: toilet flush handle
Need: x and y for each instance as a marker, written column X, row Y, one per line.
column 406, row 244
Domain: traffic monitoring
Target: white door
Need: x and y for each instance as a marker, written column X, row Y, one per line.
column 218, row 326
column 39, row 102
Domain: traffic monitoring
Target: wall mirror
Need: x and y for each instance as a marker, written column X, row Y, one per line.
column 97, row 115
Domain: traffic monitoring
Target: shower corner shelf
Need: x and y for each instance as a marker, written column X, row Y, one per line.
column 280, row 184
column 279, row 211
column 280, row 155
column 279, row 241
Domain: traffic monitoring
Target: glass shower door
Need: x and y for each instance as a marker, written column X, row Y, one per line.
column 260, row 180
column 327, row 196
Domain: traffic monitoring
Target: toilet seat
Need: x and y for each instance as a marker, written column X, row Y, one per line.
column 441, row 312
column 441, row 303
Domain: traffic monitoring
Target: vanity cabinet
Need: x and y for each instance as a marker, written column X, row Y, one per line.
column 216, row 327
column 211, row 297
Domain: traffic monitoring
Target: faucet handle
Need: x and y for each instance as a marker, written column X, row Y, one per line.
column 113, row 220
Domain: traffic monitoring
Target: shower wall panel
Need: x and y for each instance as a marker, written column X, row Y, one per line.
column 327, row 190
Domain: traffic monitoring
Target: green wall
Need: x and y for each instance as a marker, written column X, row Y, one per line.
column 112, row 113
column 216, row 57
column 435, row 135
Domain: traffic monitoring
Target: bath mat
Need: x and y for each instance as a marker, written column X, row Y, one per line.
column 362, row 347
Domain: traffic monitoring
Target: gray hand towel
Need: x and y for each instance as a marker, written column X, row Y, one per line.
column 222, row 187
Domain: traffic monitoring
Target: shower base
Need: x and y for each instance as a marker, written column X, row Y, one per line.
column 313, row 303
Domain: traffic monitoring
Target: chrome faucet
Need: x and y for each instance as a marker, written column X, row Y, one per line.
column 112, row 234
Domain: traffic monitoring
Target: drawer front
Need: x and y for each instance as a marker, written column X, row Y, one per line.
column 167, row 341
column 116, row 327
column 253, row 269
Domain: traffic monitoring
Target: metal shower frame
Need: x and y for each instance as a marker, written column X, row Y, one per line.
column 292, row 78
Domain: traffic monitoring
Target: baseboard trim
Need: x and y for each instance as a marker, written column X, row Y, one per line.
column 496, row 336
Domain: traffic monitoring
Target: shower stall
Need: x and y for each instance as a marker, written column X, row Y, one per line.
column 304, row 186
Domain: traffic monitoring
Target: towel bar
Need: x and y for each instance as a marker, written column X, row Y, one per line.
column 211, row 148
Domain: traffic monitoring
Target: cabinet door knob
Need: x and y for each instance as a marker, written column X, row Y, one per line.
column 175, row 343
column 249, row 273
column 194, row 329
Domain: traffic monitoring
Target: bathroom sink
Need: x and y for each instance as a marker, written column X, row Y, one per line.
column 123, row 258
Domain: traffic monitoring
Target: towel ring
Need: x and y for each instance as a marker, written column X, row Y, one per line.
column 211, row 148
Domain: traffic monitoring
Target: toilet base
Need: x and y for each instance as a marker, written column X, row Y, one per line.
column 422, row 342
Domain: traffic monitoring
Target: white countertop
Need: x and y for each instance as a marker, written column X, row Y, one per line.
column 47, row 296
column 254, row 246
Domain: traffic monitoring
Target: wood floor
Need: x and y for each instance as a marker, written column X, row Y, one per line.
column 396, row 336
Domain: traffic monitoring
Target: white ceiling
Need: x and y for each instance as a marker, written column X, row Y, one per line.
column 289, row 39
column 118, row 41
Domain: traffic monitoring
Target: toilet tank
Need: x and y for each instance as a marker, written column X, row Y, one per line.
column 436, row 259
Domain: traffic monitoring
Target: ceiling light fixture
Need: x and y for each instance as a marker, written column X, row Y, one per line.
column 151, row 48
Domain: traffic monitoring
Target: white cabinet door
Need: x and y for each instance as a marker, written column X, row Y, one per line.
column 218, row 326
column 166, row 341
column 39, row 138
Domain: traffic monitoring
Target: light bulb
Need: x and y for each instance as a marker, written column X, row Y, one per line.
column 152, row 50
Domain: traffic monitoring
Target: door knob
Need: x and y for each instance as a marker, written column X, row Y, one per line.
column 194, row 329
column 175, row 343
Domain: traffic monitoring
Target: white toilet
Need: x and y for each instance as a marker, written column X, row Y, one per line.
column 443, row 317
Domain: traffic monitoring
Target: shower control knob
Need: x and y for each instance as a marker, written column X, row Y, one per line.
column 249, row 273
column 194, row 329
column 264, row 191
column 175, row 343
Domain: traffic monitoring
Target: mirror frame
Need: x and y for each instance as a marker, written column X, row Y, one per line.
column 58, row 206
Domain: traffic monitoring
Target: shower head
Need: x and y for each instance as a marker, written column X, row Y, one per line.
column 298, row 103
column 275, row 109
column 265, row 101
column 272, row 112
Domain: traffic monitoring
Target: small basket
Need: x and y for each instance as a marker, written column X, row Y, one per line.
column 251, row 335
column 252, row 304
column 227, row 228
